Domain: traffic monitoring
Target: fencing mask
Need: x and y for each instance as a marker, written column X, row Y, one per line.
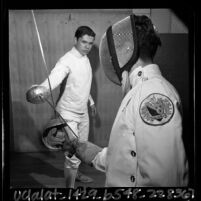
column 119, row 48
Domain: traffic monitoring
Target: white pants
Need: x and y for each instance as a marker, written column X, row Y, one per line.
column 80, row 128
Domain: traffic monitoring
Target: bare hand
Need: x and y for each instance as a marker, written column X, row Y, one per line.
column 93, row 110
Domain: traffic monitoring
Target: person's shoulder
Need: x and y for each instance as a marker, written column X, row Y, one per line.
column 156, row 84
column 156, row 87
column 66, row 56
column 156, row 104
column 66, row 59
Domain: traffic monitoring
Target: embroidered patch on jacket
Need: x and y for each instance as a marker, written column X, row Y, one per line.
column 156, row 109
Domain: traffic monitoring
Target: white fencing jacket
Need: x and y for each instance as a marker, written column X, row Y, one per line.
column 145, row 147
column 73, row 101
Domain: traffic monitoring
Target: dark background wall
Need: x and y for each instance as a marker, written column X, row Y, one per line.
column 173, row 59
column 57, row 29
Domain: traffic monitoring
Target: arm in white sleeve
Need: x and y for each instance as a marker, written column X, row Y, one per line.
column 99, row 162
column 91, row 100
column 161, row 154
column 58, row 73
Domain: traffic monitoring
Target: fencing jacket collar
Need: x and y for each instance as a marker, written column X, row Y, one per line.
column 76, row 53
column 143, row 73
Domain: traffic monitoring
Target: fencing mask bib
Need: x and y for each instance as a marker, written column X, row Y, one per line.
column 119, row 48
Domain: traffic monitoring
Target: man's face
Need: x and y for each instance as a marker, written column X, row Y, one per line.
column 84, row 44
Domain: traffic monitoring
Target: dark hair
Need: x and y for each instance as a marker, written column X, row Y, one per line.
column 148, row 39
column 84, row 30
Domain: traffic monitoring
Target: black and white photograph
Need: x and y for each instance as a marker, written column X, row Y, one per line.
column 101, row 98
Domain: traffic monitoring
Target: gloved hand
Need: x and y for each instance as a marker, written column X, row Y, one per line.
column 37, row 94
column 57, row 135
column 85, row 150
column 71, row 145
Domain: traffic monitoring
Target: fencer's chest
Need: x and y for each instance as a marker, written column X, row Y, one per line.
column 80, row 70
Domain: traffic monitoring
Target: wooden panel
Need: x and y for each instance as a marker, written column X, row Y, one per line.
column 161, row 19
column 146, row 12
column 25, row 69
column 177, row 26
column 173, row 58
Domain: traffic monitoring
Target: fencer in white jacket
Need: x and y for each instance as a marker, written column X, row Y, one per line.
column 145, row 147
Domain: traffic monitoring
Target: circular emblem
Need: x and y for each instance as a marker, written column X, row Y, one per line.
column 156, row 109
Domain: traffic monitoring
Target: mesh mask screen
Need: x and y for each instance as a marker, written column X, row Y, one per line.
column 123, row 41
column 118, row 49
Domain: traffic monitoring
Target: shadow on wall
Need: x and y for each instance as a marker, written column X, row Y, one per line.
column 173, row 58
column 95, row 63
column 25, row 136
